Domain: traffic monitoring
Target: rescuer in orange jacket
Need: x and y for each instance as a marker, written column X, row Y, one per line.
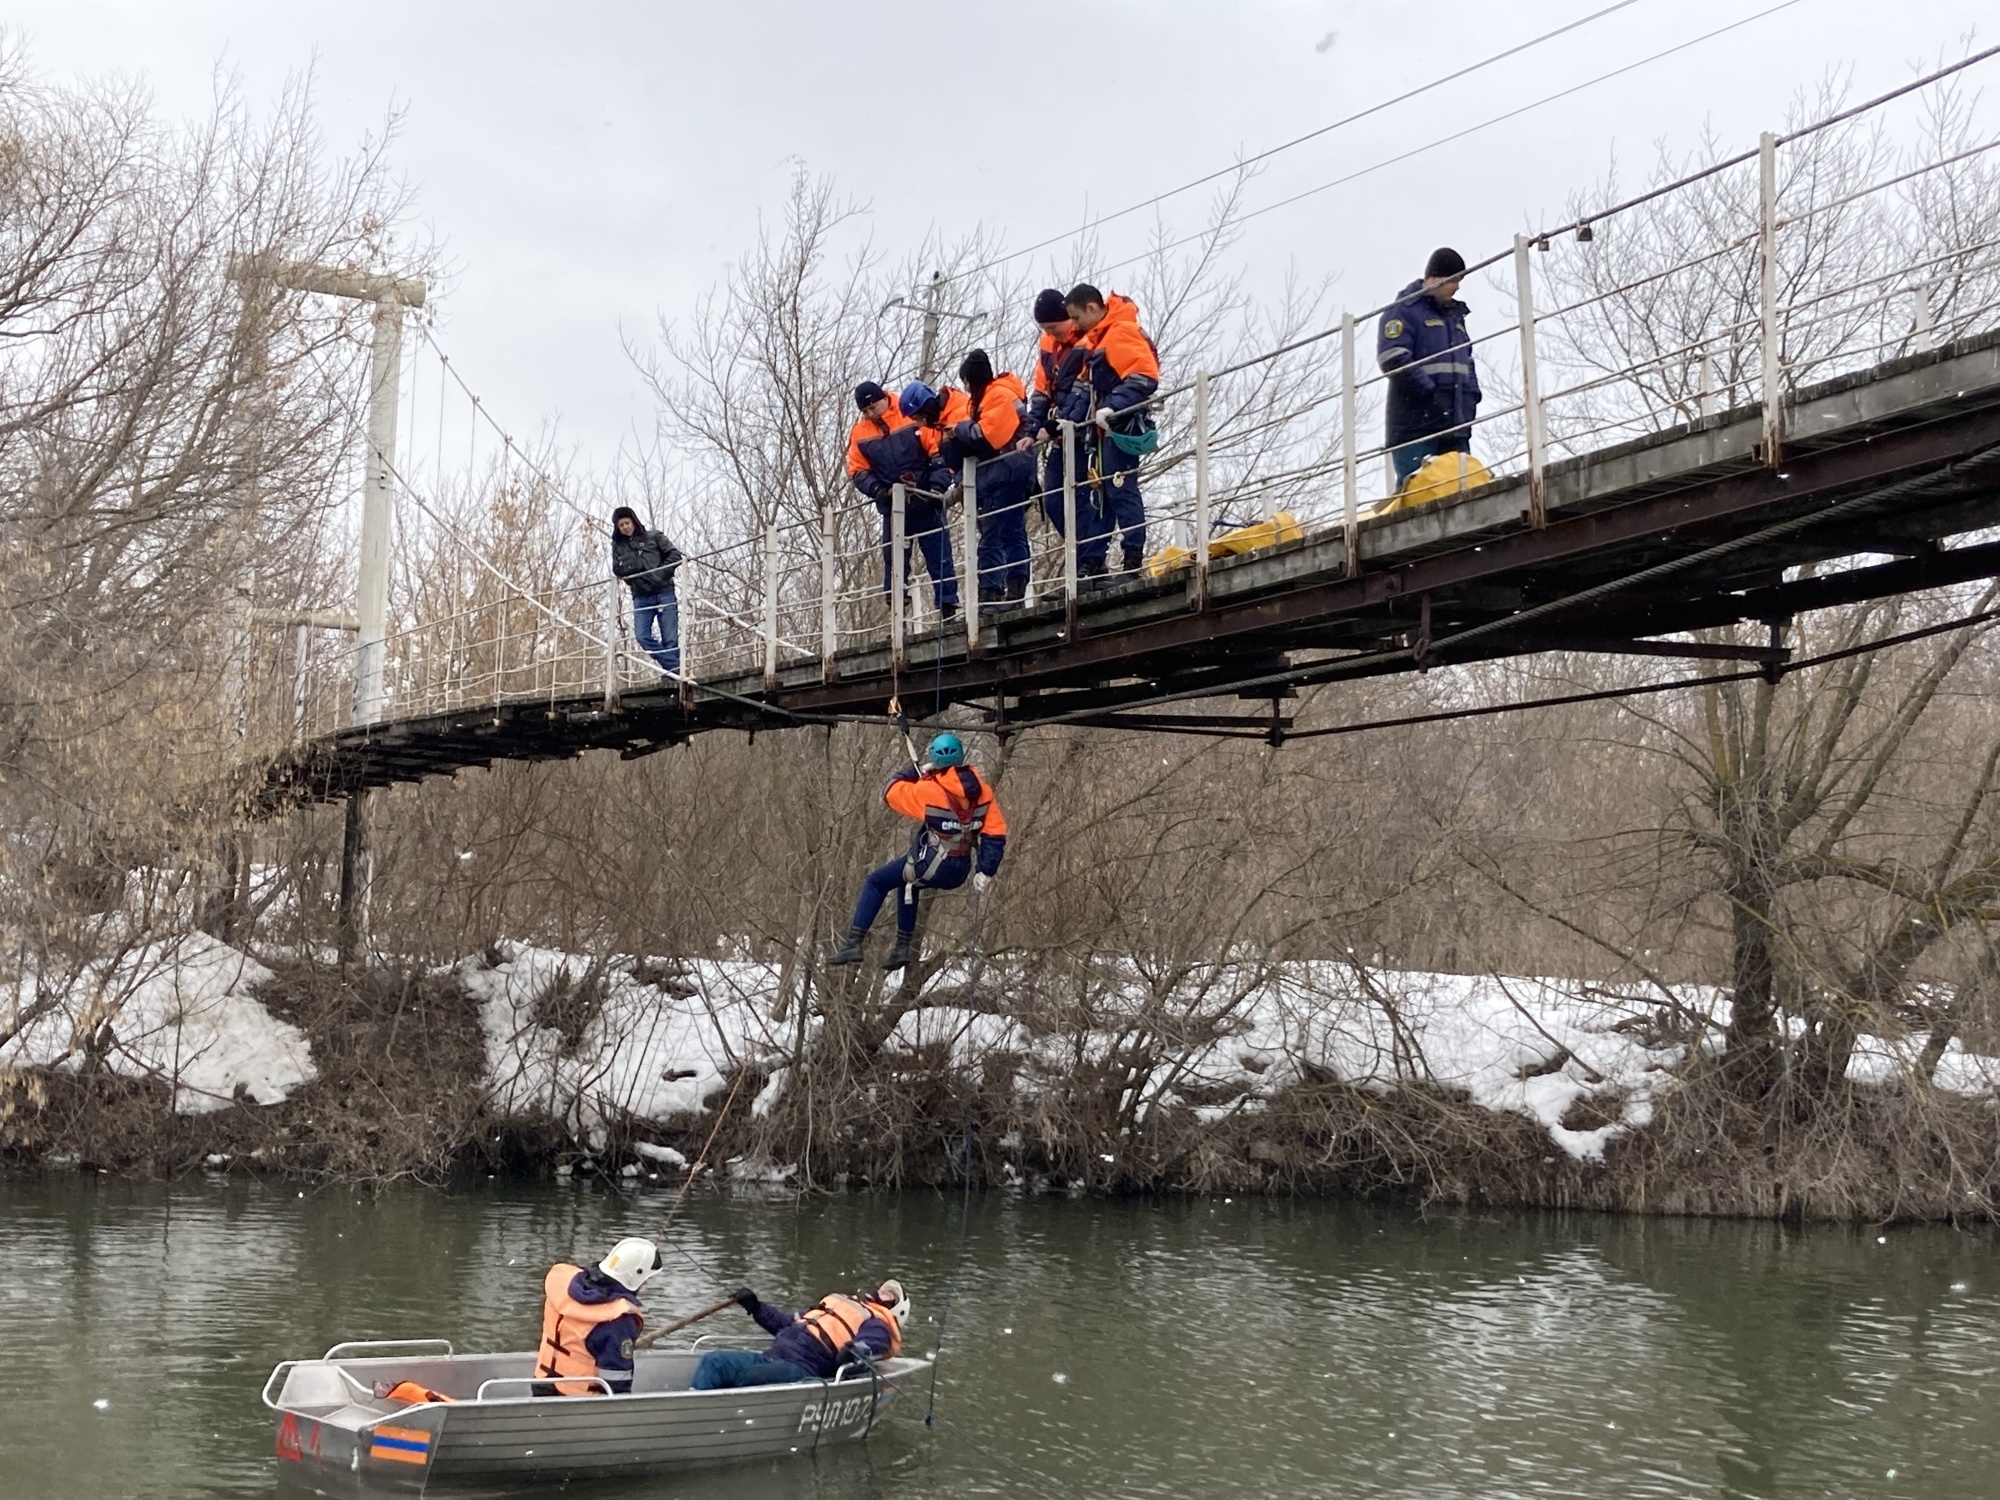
column 1059, row 363
column 961, row 831
column 997, row 437
column 1121, row 374
column 884, row 449
column 812, row 1344
column 591, row 1320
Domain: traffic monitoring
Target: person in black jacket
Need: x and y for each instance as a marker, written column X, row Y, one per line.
column 646, row 560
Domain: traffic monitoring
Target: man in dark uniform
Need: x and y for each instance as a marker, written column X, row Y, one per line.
column 1425, row 351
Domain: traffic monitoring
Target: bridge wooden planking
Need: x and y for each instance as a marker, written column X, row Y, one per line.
column 1892, row 460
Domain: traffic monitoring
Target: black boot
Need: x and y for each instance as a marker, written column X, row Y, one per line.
column 848, row 952
column 1017, row 591
column 948, row 613
column 1133, row 561
column 898, row 955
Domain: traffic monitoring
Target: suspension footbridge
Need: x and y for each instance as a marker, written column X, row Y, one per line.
column 1739, row 435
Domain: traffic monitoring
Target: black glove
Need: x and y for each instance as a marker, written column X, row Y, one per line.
column 748, row 1301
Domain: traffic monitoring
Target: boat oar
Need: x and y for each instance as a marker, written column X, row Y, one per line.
column 647, row 1340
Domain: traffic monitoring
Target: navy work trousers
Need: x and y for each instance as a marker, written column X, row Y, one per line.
column 1003, row 488
column 1123, row 507
column 1092, row 531
column 923, row 524
column 887, row 880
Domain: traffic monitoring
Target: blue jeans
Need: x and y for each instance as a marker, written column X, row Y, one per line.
column 887, row 879
column 661, row 612
column 731, row 1369
column 1410, row 457
column 923, row 524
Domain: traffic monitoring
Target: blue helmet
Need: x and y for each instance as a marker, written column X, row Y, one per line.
column 915, row 397
column 947, row 750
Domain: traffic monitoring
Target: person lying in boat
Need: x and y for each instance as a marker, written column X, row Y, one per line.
column 591, row 1320
column 812, row 1344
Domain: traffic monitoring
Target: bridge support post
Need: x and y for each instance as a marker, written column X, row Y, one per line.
column 1350, row 472
column 899, row 567
column 829, row 591
column 968, row 570
column 357, row 879
column 1198, row 583
column 613, row 621
column 771, row 607
column 1705, row 385
column 1069, row 518
column 1771, row 392
column 1531, row 392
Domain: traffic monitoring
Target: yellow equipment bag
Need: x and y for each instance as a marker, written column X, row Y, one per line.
column 1437, row 478
column 1283, row 527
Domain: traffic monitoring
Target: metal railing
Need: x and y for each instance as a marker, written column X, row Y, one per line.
column 807, row 591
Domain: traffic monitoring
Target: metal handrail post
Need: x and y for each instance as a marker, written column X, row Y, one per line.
column 1198, row 592
column 1531, row 393
column 968, row 569
column 1772, row 379
column 898, row 566
column 1350, row 469
column 612, row 610
column 829, row 578
column 1069, row 516
column 1705, row 378
column 1923, row 327
column 771, row 607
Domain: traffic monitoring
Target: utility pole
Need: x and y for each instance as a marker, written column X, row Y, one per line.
column 390, row 294
column 934, row 311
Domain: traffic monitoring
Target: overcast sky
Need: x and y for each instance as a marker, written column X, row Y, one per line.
column 591, row 166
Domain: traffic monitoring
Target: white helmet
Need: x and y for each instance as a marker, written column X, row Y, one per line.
column 892, row 1296
column 631, row 1263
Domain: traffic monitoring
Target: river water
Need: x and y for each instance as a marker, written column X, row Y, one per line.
column 1192, row 1348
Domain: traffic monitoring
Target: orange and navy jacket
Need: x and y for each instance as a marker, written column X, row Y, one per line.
column 814, row 1339
column 589, row 1325
column 890, row 449
column 1058, row 363
column 957, row 810
column 997, row 425
column 1122, row 367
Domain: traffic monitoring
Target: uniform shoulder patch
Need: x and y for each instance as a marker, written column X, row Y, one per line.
column 1393, row 329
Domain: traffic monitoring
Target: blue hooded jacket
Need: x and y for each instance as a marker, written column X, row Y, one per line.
column 1423, row 348
column 796, row 1342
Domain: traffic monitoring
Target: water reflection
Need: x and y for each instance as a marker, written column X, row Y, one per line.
column 1143, row 1350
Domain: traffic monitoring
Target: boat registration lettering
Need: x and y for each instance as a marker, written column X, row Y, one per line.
column 828, row 1415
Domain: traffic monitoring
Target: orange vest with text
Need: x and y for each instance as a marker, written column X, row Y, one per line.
column 837, row 1320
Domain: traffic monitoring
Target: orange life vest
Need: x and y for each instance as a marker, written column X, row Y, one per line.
column 837, row 1320
column 413, row 1392
column 566, row 1323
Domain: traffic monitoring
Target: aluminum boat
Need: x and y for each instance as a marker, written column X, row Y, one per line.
column 334, row 1429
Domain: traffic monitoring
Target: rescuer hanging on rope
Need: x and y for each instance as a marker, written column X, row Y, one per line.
column 961, row 832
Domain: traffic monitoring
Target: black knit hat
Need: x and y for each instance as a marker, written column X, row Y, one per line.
column 976, row 369
column 1049, row 306
column 868, row 393
column 1445, row 262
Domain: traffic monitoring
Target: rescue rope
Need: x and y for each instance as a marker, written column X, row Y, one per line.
column 964, row 1167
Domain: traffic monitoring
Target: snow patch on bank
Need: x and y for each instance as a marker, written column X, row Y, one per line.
column 648, row 1049
column 182, row 1010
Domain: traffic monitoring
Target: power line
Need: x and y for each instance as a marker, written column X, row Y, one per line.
column 1311, row 135
column 1458, row 135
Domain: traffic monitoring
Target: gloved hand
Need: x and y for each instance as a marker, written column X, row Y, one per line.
column 747, row 1300
column 980, row 881
column 1103, row 418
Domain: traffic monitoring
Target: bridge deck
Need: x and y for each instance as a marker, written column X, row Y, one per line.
column 1676, row 532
